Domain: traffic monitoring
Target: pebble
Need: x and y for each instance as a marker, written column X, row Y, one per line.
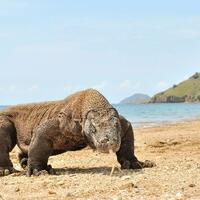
column 17, row 189
column 192, row 185
column 179, row 195
column 117, row 198
column 68, row 194
column 61, row 183
column 128, row 186
column 71, row 175
column 123, row 178
column 51, row 192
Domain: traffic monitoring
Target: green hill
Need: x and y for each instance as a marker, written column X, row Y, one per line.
column 186, row 91
column 136, row 99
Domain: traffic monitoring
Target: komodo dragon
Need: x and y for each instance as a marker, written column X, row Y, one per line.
column 44, row 129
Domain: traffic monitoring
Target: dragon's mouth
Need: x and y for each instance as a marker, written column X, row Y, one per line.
column 104, row 144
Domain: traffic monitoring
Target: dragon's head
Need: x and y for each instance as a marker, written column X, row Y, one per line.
column 102, row 129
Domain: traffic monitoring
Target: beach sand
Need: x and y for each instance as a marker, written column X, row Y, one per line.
column 175, row 148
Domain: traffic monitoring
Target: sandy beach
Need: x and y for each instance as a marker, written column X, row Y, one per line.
column 175, row 148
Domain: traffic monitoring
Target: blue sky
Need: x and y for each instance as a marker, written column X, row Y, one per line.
column 49, row 49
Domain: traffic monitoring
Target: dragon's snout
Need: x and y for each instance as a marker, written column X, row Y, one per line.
column 106, row 143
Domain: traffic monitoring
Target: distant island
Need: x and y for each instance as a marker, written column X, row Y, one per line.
column 186, row 91
column 137, row 98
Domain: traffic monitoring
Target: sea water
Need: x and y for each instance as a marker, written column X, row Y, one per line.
column 153, row 114
column 2, row 107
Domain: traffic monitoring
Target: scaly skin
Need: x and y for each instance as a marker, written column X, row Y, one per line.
column 50, row 128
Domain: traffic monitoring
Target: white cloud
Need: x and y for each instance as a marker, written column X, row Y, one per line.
column 74, row 88
column 1, row 89
column 128, row 84
column 68, row 88
column 162, row 85
column 10, row 8
column 101, row 85
column 189, row 33
column 33, row 88
column 12, row 88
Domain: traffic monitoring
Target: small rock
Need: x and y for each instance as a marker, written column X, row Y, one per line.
column 188, row 166
column 71, row 175
column 117, row 198
column 123, row 178
column 127, row 186
column 45, row 183
column 179, row 195
column 17, row 189
column 68, row 194
column 61, row 183
column 51, row 192
column 192, row 185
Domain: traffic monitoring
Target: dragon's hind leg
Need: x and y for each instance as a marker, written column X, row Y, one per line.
column 7, row 143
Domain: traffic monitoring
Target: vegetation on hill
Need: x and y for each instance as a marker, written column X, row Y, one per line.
column 186, row 91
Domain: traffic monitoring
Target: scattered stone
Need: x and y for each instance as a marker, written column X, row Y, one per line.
column 188, row 166
column 61, row 183
column 71, row 175
column 123, row 178
column 51, row 192
column 127, row 186
column 117, row 198
column 68, row 194
column 17, row 189
column 192, row 185
column 45, row 183
column 179, row 195
column 1, row 197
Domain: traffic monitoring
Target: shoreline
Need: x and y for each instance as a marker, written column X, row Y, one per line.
column 138, row 125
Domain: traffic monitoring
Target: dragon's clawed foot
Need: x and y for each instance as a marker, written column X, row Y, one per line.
column 5, row 171
column 37, row 171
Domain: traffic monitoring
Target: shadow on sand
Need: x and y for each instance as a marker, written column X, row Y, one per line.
column 93, row 170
